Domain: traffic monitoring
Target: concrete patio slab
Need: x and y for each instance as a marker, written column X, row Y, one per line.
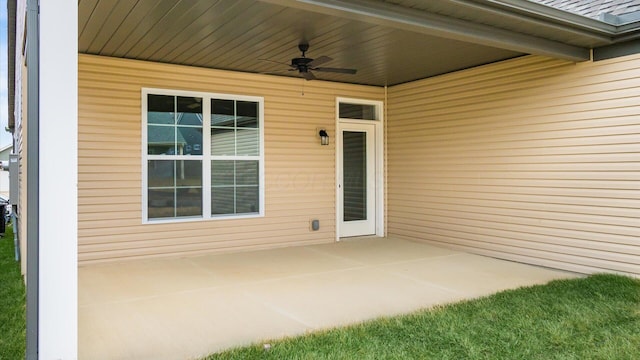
column 188, row 307
column 345, row 297
column 255, row 266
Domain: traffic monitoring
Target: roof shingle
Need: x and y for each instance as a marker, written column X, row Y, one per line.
column 594, row 8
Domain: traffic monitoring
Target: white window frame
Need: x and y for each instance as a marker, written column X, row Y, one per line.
column 206, row 156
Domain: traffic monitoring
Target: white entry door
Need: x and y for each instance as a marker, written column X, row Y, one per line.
column 356, row 180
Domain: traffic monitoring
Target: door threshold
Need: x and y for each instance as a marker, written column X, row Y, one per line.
column 358, row 237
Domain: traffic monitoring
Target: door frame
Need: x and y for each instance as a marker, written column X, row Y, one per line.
column 379, row 160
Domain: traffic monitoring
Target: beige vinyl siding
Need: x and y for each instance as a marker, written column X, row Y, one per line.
column 299, row 172
column 531, row 159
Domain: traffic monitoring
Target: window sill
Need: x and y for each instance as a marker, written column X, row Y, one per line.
column 201, row 219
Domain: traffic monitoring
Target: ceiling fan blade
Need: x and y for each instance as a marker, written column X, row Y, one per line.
column 319, row 61
column 337, row 70
column 308, row 75
column 277, row 62
column 275, row 72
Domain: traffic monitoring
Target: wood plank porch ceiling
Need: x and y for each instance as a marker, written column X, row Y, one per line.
column 237, row 34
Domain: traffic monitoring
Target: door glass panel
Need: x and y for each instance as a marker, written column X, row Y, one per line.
column 355, row 175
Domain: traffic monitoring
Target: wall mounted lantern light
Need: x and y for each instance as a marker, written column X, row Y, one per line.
column 324, row 137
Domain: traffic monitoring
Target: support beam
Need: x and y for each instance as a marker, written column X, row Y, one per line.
column 394, row 16
column 58, row 167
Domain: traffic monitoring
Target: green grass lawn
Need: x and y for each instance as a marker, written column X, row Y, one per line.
column 12, row 302
column 591, row 318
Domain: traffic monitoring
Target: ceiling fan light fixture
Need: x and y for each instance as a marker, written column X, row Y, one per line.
column 305, row 65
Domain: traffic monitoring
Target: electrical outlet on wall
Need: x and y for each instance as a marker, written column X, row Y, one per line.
column 314, row 224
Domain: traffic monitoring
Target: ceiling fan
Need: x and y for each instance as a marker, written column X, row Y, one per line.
column 305, row 65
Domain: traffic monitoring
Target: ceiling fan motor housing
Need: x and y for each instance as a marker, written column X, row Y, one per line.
column 301, row 63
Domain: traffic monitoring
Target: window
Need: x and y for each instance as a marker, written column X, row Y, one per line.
column 357, row 111
column 202, row 155
column 235, row 142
